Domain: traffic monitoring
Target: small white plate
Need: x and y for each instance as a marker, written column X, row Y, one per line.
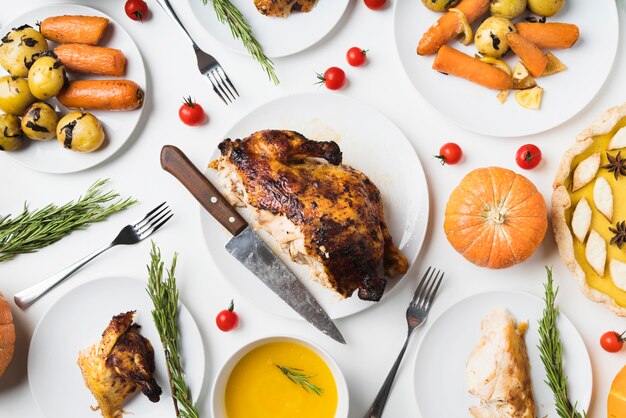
column 77, row 321
column 440, row 365
column 278, row 36
column 476, row 108
column 370, row 143
column 50, row 156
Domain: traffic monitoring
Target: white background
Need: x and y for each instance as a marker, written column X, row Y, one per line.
column 374, row 335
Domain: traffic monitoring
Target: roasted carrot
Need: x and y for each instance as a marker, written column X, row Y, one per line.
column 102, row 95
column 91, row 59
column 532, row 57
column 549, row 35
column 449, row 26
column 74, row 29
column 451, row 61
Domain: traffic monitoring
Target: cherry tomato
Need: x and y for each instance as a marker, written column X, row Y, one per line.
column 356, row 56
column 612, row 341
column 136, row 9
column 227, row 320
column 375, row 4
column 334, row 78
column 191, row 113
column 450, row 153
column 528, row 156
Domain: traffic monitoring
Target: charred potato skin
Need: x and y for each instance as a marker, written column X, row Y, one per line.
column 490, row 38
column 440, row 5
column 19, row 49
column 46, row 77
column 15, row 95
column 11, row 137
column 40, row 122
column 80, row 131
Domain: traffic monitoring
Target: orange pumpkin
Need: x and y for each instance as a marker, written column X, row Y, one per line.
column 7, row 335
column 616, row 404
column 495, row 218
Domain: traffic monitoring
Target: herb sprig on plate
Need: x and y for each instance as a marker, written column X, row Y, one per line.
column 240, row 29
column 33, row 230
column 299, row 378
column 551, row 351
column 164, row 295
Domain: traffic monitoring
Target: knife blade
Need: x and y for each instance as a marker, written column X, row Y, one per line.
column 246, row 246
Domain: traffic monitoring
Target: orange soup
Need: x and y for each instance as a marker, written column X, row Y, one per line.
column 258, row 388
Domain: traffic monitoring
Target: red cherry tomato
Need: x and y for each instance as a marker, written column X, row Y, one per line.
column 375, row 4
column 528, row 156
column 612, row 341
column 136, row 9
column 334, row 78
column 356, row 56
column 450, row 153
column 191, row 113
column 227, row 320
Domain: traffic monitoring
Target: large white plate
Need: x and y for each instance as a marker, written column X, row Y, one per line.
column 50, row 156
column 440, row 365
column 476, row 108
column 75, row 322
column 278, row 36
column 370, row 143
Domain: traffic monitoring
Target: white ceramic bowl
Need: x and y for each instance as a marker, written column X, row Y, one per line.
column 219, row 385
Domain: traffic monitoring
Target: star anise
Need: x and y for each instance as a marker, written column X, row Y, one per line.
column 616, row 165
column 620, row 234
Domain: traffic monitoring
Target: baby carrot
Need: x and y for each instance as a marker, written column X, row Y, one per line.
column 549, row 35
column 532, row 57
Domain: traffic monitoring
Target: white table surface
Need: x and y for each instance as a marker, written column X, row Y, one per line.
column 374, row 335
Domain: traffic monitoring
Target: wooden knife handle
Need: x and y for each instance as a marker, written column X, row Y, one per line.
column 175, row 162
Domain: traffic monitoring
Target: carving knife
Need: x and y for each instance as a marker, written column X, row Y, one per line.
column 246, row 246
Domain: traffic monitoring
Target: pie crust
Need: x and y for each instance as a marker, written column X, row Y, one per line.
column 561, row 202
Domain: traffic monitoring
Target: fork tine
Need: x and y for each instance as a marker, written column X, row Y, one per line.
column 419, row 286
column 220, row 85
column 423, row 297
column 147, row 219
column 216, row 90
column 153, row 222
column 224, row 76
column 150, row 213
column 432, row 295
column 155, row 228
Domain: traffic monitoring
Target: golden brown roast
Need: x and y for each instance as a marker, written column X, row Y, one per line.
column 283, row 8
column 323, row 213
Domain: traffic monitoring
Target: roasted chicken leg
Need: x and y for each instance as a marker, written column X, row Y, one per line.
column 323, row 213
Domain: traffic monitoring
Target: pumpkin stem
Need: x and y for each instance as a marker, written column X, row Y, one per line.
column 496, row 216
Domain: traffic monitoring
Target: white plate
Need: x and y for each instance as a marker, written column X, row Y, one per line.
column 50, row 156
column 476, row 108
column 77, row 321
column 278, row 36
column 440, row 365
column 370, row 143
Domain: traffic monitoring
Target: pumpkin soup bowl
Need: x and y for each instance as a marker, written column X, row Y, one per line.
column 281, row 376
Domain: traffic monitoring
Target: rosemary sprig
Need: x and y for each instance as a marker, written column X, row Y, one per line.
column 551, row 351
column 240, row 29
column 164, row 295
column 32, row 230
column 299, row 378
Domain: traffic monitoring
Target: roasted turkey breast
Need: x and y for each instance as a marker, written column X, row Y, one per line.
column 323, row 213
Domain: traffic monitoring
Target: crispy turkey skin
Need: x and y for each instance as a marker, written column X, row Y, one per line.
column 283, row 8
column 323, row 213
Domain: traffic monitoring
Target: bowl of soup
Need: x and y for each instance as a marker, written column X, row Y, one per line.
column 280, row 377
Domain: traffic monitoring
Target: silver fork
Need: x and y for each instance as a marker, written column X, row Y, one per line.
column 208, row 66
column 130, row 234
column 416, row 315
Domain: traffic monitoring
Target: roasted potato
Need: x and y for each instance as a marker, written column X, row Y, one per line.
column 80, row 131
column 46, row 77
column 490, row 38
column 508, row 9
column 545, row 7
column 11, row 137
column 19, row 49
column 15, row 95
column 440, row 5
column 40, row 122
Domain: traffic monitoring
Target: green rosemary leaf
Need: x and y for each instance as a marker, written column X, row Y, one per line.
column 33, row 230
column 164, row 295
column 299, row 378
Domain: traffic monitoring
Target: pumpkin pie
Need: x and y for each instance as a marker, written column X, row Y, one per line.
column 589, row 209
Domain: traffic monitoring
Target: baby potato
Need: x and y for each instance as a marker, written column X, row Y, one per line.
column 80, row 131
column 19, row 48
column 440, row 5
column 490, row 38
column 15, row 95
column 46, row 77
column 10, row 133
column 545, row 8
column 40, row 122
column 508, row 9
